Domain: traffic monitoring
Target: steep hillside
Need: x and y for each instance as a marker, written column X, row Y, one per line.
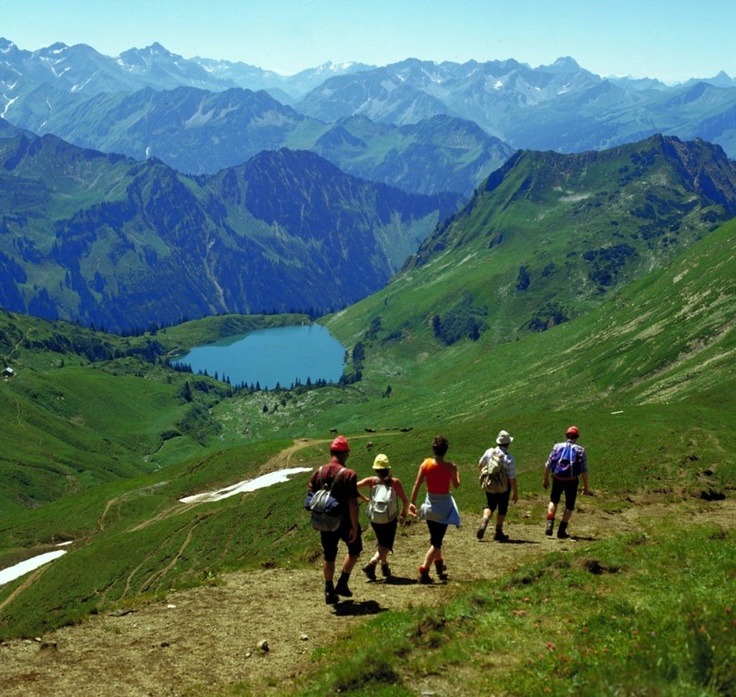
column 550, row 236
column 104, row 240
column 651, row 371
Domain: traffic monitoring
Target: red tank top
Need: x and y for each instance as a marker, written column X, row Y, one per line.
column 439, row 476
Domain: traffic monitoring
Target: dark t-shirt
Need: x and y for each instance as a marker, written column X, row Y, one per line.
column 346, row 486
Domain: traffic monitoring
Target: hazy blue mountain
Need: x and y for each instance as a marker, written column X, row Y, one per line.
column 7, row 130
column 440, row 153
column 285, row 88
column 202, row 132
column 82, row 69
column 560, row 107
column 105, row 240
column 192, row 130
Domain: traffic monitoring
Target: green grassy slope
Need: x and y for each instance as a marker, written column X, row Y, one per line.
column 647, row 376
column 110, row 426
column 550, row 237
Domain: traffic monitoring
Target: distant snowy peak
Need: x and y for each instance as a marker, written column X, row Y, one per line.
column 143, row 58
column 331, row 68
column 565, row 63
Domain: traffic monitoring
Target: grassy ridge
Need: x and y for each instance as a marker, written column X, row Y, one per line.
column 653, row 398
column 566, row 625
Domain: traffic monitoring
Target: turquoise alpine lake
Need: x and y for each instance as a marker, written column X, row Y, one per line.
column 281, row 356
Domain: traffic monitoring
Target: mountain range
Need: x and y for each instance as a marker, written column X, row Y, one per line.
column 210, row 189
column 152, row 101
column 595, row 288
column 109, row 241
column 113, row 242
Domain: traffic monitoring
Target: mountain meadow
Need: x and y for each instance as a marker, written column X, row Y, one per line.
column 595, row 288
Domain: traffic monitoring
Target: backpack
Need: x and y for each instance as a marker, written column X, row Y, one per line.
column 564, row 462
column 383, row 507
column 325, row 508
column 493, row 476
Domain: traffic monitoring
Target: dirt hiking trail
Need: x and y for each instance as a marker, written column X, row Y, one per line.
column 199, row 641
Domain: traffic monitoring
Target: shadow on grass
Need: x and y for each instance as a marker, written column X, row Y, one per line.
column 401, row 581
column 360, row 607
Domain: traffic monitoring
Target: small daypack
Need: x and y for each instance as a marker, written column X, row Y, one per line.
column 564, row 462
column 493, row 476
column 325, row 508
column 383, row 507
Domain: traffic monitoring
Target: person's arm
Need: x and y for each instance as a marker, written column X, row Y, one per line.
column 584, row 471
column 353, row 509
column 415, row 490
column 511, row 470
column 312, row 486
column 455, row 475
column 399, row 489
column 363, row 483
column 514, row 489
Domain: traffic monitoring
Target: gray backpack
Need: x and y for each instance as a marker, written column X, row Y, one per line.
column 383, row 507
column 325, row 508
column 493, row 476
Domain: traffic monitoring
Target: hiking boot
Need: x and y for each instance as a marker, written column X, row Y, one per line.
column 330, row 595
column 500, row 536
column 370, row 571
column 550, row 527
column 480, row 532
column 424, row 576
column 342, row 588
column 562, row 532
column 441, row 570
column 386, row 571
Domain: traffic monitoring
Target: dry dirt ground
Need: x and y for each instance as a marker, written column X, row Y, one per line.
column 199, row 641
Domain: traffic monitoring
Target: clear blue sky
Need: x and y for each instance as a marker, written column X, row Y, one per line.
column 672, row 40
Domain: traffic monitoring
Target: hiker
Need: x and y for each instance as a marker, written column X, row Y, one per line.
column 343, row 482
column 566, row 463
column 439, row 508
column 500, row 487
column 384, row 514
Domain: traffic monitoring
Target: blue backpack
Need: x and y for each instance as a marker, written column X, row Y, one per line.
column 564, row 462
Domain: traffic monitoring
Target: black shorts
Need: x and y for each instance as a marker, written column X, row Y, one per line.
column 330, row 540
column 436, row 533
column 500, row 501
column 569, row 487
column 386, row 533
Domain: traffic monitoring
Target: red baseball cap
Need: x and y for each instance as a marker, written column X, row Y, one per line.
column 573, row 431
column 340, row 445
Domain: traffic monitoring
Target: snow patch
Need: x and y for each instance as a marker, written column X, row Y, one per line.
column 79, row 88
column 24, row 567
column 10, row 101
column 278, row 477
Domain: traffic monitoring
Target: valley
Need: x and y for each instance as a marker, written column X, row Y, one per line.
column 493, row 246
